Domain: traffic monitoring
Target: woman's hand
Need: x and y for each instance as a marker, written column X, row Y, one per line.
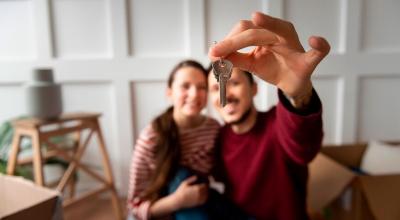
column 189, row 195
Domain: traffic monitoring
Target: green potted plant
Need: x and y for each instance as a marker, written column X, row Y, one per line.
column 6, row 136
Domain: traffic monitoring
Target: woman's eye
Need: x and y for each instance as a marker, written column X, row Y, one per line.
column 185, row 86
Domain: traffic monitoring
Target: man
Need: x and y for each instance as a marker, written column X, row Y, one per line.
column 264, row 156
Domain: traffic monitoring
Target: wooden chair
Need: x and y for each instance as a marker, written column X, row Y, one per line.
column 66, row 124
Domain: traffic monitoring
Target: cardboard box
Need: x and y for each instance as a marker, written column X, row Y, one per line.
column 336, row 185
column 21, row 199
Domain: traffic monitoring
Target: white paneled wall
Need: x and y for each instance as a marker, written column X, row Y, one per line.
column 149, row 102
column 155, row 30
column 14, row 98
column 317, row 18
column 379, row 18
column 17, row 34
column 327, row 88
column 113, row 56
column 379, row 107
column 81, row 29
column 221, row 16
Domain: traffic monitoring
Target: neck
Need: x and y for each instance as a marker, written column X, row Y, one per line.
column 247, row 124
column 188, row 122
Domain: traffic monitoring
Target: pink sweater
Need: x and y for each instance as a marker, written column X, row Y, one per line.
column 197, row 153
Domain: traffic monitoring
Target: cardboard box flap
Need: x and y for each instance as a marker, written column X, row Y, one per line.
column 383, row 195
column 323, row 187
column 348, row 155
column 18, row 194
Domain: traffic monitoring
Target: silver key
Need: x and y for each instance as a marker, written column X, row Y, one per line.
column 222, row 70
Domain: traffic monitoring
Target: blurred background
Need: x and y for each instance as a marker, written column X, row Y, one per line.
column 113, row 57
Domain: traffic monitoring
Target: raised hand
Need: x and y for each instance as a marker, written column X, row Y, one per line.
column 278, row 56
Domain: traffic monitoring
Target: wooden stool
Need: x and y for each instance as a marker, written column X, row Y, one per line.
column 65, row 124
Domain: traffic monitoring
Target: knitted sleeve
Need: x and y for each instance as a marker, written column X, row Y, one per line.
column 141, row 168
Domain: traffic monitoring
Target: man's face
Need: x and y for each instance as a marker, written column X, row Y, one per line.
column 239, row 96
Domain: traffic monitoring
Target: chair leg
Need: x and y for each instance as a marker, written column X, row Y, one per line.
column 13, row 156
column 72, row 185
column 108, row 172
column 73, row 181
column 37, row 159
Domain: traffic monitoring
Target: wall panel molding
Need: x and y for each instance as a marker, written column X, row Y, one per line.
column 17, row 32
column 81, row 29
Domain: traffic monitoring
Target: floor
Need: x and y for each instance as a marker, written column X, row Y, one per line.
column 92, row 209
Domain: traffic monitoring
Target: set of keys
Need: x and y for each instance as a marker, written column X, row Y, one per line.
column 222, row 70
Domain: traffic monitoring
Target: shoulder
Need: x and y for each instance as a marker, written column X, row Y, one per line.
column 148, row 133
column 210, row 126
column 211, row 122
column 267, row 115
column 147, row 138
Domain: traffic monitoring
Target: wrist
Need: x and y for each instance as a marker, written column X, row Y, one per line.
column 302, row 100
column 164, row 206
column 176, row 201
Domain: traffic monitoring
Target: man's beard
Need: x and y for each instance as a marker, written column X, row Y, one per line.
column 242, row 118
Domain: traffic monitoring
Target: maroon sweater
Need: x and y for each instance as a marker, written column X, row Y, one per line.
column 265, row 169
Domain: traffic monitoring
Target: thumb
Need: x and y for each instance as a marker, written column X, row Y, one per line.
column 319, row 49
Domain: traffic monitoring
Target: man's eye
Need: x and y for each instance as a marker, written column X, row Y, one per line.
column 215, row 87
column 234, row 83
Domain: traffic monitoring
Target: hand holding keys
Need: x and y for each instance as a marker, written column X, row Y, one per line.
column 222, row 71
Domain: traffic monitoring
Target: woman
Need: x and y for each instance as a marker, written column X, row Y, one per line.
column 174, row 154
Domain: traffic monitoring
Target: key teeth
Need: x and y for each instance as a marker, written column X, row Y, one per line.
column 216, row 75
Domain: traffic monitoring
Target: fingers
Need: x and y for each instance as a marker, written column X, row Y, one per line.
column 258, row 32
column 190, row 180
column 203, row 193
column 240, row 27
column 250, row 37
column 200, row 192
column 278, row 26
column 268, row 22
column 242, row 61
column 320, row 44
column 319, row 49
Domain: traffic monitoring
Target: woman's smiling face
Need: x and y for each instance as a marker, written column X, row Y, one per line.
column 188, row 91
